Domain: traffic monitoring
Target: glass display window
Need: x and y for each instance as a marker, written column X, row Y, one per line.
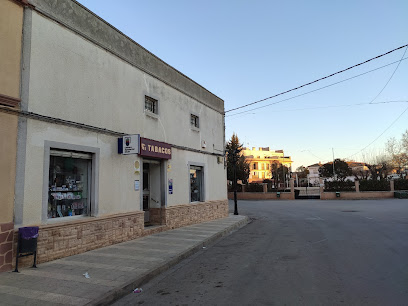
column 69, row 184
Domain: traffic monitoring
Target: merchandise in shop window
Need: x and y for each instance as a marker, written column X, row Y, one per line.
column 68, row 187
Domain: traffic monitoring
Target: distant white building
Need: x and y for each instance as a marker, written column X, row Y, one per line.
column 313, row 177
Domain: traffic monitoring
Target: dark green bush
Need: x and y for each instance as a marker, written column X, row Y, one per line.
column 401, row 184
column 254, row 187
column 339, row 185
column 374, row 185
column 231, row 188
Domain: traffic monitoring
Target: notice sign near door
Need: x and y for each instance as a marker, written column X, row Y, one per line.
column 129, row 144
column 170, row 186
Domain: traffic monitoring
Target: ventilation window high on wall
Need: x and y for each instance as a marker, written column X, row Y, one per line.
column 194, row 121
column 151, row 105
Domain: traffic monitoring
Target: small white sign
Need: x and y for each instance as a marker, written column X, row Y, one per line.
column 129, row 144
column 137, row 185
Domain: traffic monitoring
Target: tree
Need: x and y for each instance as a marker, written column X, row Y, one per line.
column 341, row 168
column 302, row 176
column 278, row 173
column 234, row 148
column 381, row 168
column 404, row 142
column 302, row 172
column 397, row 157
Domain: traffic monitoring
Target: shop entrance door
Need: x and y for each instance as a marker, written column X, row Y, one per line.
column 146, row 191
column 151, row 189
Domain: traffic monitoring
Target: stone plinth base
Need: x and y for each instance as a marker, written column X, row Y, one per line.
column 6, row 246
column 75, row 237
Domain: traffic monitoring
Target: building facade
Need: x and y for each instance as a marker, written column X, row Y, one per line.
column 313, row 177
column 11, row 24
column 261, row 160
column 91, row 92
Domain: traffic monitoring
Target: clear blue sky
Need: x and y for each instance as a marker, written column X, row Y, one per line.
column 244, row 51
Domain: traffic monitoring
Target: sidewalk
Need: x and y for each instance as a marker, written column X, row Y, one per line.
column 114, row 270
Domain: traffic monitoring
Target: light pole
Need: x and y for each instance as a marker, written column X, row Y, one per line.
column 334, row 172
column 234, row 158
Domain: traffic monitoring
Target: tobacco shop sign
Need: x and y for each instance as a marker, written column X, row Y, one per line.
column 153, row 148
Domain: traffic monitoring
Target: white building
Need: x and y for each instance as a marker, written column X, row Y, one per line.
column 314, row 177
column 84, row 86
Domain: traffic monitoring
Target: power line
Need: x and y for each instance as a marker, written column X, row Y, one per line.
column 314, row 90
column 396, row 68
column 323, row 107
column 318, row 80
column 380, row 134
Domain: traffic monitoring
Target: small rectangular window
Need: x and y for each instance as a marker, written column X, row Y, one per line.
column 151, row 105
column 194, row 120
column 255, row 168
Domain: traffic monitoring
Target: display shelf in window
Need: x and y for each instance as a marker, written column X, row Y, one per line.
column 68, row 189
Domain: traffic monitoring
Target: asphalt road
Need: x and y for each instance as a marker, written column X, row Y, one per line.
column 304, row 252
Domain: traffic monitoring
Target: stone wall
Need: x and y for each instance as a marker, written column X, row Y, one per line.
column 350, row 195
column 183, row 215
column 157, row 216
column 6, row 246
column 75, row 237
column 262, row 196
column 66, row 239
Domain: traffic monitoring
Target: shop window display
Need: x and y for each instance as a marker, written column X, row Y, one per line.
column 69, row 178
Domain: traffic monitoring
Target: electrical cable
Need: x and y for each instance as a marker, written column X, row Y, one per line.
column 318, row 80
column 329, row 106
column 314, row 90
column 396, row 68
column 380, row 134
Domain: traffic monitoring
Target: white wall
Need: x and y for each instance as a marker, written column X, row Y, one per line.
column 72, row 79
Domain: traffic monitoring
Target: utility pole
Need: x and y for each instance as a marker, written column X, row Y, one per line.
column 283, row 170
column 234, row 157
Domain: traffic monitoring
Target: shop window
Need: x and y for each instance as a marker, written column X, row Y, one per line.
column 151, row 105
column 69, row 184
column 194, row 121
column 196, row 184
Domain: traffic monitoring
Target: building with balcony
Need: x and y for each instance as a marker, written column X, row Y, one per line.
column 261, row 160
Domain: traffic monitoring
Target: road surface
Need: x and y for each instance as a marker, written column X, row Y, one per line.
column 304, row 252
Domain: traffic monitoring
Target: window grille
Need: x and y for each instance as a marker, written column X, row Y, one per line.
column 194, row 120
column 151, row 104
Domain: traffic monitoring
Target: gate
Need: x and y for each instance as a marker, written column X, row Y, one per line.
column 304, row 193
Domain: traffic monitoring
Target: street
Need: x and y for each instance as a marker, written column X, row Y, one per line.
column 304, row 252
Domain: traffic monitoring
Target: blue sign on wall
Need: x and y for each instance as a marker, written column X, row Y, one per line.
column 170, row 186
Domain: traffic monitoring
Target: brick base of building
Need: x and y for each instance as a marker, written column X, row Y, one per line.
column 75, row 237
column 6, row 246
column 183, row 215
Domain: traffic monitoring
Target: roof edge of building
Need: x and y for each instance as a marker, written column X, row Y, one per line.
column 84, row 22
